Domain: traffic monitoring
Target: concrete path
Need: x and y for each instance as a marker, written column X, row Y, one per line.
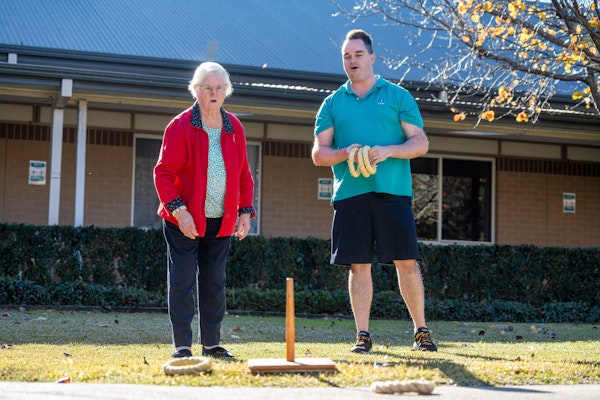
column 57, row 391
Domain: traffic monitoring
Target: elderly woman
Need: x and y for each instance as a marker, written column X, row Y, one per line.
column 205, row 188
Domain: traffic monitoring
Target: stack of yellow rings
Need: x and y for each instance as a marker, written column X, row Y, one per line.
column 364, row 165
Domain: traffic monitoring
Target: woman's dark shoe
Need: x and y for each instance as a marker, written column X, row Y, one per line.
column 182, row 353
column 217, row 352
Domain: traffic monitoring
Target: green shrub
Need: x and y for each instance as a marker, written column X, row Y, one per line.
column 98, row 266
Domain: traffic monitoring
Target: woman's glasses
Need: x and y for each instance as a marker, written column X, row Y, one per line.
column 210, row 89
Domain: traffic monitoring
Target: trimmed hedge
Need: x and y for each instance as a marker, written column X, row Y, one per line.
column 386, row 304
column 134, row 261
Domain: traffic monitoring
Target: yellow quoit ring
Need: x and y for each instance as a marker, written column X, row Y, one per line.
column 187, row 365
column 364, row 165
column 351, row 166
column 391, row 387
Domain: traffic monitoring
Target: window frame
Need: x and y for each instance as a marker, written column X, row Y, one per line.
column 440, row 171
column 256, row 175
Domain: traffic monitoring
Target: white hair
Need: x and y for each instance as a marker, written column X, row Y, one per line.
column 207, row 68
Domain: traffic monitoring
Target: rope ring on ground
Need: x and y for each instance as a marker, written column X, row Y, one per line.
column 187, row 365
column 364, row 165
column 391, row 387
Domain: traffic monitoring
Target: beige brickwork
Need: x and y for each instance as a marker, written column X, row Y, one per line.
column 24, row 203
column 528, row 204
column 108, row 185
column 530, row 210
column 292, row 209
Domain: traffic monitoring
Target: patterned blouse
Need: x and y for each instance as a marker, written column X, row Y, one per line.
column 215, row 189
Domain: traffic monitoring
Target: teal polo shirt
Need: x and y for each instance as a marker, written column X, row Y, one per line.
column 372, row 120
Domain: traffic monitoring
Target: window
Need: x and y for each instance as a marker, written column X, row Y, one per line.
column 459, row 206
column 254, row 151
column 145, row 201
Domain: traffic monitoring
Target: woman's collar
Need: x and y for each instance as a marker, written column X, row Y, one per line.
column 197, row 118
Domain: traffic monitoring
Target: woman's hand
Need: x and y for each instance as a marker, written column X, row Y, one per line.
column 243, row 226
column 186, row 224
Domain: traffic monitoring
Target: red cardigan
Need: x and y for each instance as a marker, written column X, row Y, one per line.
column 180, row 173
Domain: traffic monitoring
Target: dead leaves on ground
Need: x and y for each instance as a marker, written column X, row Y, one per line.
column 510, row 330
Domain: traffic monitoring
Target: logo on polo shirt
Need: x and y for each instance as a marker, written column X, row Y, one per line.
column 382, row 101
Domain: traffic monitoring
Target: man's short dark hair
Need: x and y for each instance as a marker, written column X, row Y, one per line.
column 362, row 35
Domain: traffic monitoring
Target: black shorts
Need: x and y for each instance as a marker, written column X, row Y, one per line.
column 373, row 224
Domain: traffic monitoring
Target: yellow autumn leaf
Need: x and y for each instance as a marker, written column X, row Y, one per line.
column 489, row 115
column 522, row 117
column 577, row 95
column 459, row 117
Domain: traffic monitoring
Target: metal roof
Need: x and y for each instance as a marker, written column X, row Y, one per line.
column 289, row 49
column 290, row 35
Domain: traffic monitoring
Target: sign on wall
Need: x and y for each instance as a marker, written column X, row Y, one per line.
column 569, row 203
column 37, row 172
column 325, row 189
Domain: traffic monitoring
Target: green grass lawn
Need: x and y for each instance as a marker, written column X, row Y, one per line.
column 46, row 346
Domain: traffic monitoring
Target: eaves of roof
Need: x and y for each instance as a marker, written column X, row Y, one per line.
column 160, row 85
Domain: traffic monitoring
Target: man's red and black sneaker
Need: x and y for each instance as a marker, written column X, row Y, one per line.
column 423, row 340
column 363, row 343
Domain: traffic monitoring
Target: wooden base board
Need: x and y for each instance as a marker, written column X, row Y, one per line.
column 298, row 365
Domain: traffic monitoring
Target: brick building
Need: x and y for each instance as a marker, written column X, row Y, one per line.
column 86, row 90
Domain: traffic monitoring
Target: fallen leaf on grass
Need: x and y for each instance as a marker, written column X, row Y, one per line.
column 384, row 364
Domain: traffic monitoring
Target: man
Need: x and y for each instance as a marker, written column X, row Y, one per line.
column 379, row 126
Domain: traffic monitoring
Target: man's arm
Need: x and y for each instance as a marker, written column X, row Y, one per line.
column 416, row 145
column 323, row 155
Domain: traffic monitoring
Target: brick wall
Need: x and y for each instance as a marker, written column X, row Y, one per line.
column 528, row 195
column 529, row 210
column 109, row 174
column 108, row 177
column 24, row 203
column 292, row 209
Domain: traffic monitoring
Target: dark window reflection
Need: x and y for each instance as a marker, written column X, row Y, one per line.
column 466, row 200
column 425, row 202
